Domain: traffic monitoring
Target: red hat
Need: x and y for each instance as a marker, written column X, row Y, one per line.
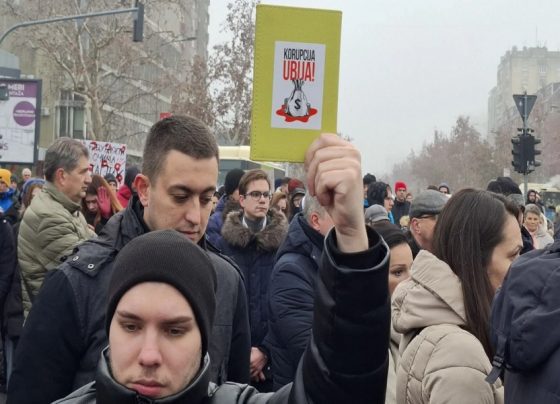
column 399, row 185
column 293, row 184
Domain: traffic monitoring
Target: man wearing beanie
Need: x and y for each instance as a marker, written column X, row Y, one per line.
column 64, row 333
column 401, row 206
column 228, row 202
column 157, row 349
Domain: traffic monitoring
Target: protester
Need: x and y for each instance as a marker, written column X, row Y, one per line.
column 402, row 206
column 380, row 193
column 346, row 360
column 443, row 310
column 100, row 203
column 180, row 171
column 53, row 224
column 525, row 313
column 215, row 198
column 444, row 188
column 8, row 262
column 128, row 189
column 534, row 222
column 279, row 202
column 292, row 289
column 424, row 212
column 25, row 174
column 251, row 238
column 400, row 261
column 227, row 203
column 112, row 181
column 507, row 187
column 7, row 193
column 376, row 213
column 12, row 318
column 283, row 185
column 368, row 179
column 295, row 198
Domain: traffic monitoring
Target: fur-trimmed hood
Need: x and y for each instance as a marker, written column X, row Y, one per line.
column 269, row 239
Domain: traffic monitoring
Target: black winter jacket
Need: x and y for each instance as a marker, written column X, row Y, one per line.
column 399, row 210
column 65, row 333
column 254, row 253
column 347, row 357
column 527, row 307
column 292, row 291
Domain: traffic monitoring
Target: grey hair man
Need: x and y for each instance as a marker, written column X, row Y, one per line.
column 292, row 289
column 53, row 224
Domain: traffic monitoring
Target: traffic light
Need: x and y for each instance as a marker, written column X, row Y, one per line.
column 518, row 151
column 530, row 152
column 138, row 28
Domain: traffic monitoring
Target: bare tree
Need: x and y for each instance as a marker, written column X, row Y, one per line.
column 96, row 59
column 231, row 72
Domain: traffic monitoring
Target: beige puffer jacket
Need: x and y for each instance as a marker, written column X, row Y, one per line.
column 51, row 227
column 443, row 363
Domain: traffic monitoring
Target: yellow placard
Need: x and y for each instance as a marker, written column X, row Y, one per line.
column 295, row 85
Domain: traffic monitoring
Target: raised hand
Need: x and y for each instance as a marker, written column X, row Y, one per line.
column 104, row 202
column 334, row 176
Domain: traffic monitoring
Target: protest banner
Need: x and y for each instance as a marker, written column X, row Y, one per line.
column 107, row 158
column 295, row 85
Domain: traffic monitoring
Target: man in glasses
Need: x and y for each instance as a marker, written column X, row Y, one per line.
column 251, row 238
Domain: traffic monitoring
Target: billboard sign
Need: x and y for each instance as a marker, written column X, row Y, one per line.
column 20, row 116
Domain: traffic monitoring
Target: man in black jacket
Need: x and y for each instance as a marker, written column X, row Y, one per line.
column 64, row 334
column 157, row 351
column 292, row 289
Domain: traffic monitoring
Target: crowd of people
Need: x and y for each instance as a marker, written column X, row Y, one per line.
column 333, row 288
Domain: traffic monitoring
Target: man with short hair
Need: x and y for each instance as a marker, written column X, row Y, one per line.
column 424, row 211
column 64, row 334
column 228, row 202
column 402, row 206
column 53, row 224
column 292, row 289
column 251, row 238
column 157, row 347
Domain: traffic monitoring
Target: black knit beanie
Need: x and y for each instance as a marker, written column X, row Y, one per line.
column 169, row 257
column 231, row 182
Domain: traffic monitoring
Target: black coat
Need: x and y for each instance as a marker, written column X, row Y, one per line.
column 8, row 260
column 64, row 333
column 292, row 291
column 525, row 313
column 399, row 210
column 347, row 357
column 254, row 254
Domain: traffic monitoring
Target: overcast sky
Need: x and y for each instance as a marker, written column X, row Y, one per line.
column 409, row 67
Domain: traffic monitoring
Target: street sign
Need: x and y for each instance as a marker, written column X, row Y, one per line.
column 524, row 104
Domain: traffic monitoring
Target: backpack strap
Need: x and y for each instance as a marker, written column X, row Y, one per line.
column 498, row 360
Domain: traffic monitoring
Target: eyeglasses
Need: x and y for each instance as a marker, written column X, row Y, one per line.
column 256, row 195
column 428, row 217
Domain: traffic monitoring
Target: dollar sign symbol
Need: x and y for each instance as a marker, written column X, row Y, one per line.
column 298, row 102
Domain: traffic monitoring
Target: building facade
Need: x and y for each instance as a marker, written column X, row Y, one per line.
column 526, row 69
column 97, row 83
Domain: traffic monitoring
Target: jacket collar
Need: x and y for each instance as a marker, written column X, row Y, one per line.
column 61, row 198
column 433, row 295
column 108, row 391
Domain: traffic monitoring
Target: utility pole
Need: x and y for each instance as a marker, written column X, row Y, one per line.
column 138, row 11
